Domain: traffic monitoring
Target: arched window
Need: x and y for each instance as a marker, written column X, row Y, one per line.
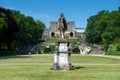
column 52, row 34
column 71, row 34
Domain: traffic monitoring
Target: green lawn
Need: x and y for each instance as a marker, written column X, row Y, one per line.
column 37, row 67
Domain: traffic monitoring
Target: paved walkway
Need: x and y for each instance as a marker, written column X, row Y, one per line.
column 108, row 56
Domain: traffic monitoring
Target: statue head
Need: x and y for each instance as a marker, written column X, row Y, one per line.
column 62, row 25
column 61, row 15
column 62, row 18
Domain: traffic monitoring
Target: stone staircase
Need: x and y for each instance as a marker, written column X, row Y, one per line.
column 96, row 50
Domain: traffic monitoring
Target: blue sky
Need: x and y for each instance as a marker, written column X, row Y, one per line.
column 50, row 10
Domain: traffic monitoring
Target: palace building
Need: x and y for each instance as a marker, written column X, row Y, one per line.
column 70, row 32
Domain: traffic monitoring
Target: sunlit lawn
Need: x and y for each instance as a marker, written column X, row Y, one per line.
column 37, row 67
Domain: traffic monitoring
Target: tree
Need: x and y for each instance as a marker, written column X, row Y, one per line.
column 103, row 28
column 30, row 30
column 95, row 27
column 12, row 30
column 13, row 36
column 3, row 29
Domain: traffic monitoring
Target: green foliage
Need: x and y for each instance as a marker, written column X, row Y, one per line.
column 18, row 30
column 9, row 30
column 95, row 27
column 55, row 39
column 75, row 49
column 52, row 47
column 113, row 49
column 43, row 49
column 103, row 28
column 52, row 40
column 118, row 47
column 116, row 41
column 73, row 41
column 49, row 49
column 30, row 30
column 8, row 52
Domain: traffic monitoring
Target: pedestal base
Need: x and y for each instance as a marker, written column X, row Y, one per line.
column 62, row 56
column 67, row 67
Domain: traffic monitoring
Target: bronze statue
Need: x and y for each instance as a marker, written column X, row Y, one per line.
column 62, row 26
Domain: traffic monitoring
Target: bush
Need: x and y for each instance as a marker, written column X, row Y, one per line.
column 8, row 52
column 52, row 47
column 47, row 50
column 73, row 41
column 118, row 48
column 75, row 49
column 112, row 50
column 43, row 49
column 52, row 40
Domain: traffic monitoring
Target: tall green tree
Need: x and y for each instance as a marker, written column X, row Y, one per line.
column 103, row 28
column 13, row 36
column 10, row 29
column 30, row 30
column 95, row 27
column 3, row 29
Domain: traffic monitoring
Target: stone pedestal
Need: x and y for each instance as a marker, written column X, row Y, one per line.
column 62, row 56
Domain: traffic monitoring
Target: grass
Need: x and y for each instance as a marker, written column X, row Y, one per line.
column 55, row 39
column 37, row 67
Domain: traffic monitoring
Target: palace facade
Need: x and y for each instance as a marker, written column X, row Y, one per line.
column 70, row 32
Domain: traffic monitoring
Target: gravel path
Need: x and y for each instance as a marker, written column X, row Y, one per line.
column 108, row 56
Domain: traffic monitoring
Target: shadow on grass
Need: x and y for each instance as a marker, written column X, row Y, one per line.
column 17, row 56
column 78, row 67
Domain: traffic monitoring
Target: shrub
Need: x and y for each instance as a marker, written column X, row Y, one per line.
column 118, row 47
column 52, row 47
column 113, row 50
column 73, row 41
column 75, row 49
column 43, row 49
column 47, row 50
column 51, row 40
column 8, row 52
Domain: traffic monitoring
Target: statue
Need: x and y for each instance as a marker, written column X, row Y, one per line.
column 61, row 25
column 62, row 52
